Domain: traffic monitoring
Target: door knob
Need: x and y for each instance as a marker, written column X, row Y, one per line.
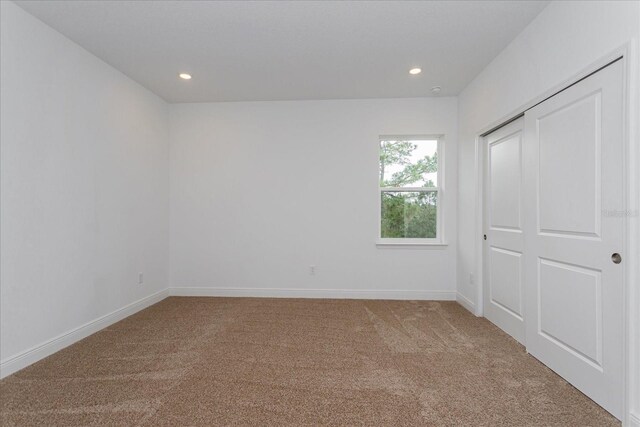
column 616, row 258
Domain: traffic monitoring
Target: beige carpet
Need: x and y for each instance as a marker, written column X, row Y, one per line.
column 241, row 361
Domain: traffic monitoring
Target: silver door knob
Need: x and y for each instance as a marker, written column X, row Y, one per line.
column 616, row 258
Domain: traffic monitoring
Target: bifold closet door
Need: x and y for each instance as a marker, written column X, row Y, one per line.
column 573, row 186
column 503, row 246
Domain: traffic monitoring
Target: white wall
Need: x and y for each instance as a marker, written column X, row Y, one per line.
column 262, row 190
column 85, row 181
column 564, row 39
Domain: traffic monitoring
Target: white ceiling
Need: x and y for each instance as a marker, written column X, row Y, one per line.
column 241, row 51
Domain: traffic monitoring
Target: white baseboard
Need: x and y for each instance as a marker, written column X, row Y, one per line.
column 634, row 420
column 466, row 303
column 312, row 293
column 22, row 360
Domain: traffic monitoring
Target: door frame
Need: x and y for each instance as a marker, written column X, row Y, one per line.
column 628, row 53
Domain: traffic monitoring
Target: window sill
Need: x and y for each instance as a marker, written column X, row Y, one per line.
column 382, row 243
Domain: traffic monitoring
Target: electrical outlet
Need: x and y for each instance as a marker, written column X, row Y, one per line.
column 140, row 278
column 312, row 270
column 471, row 278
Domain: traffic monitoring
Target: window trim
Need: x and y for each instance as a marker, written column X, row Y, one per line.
column 439, row 240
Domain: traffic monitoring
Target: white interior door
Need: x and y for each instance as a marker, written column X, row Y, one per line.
column 573, row 164
column 503, row 246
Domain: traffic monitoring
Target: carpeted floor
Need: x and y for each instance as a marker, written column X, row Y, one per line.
column 245, row 361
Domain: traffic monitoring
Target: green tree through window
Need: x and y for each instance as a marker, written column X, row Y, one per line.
column 408, row 188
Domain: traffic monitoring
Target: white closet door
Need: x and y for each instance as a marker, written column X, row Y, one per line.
column 573, row 152
column 503, row 257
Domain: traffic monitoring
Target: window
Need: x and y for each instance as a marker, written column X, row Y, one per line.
column 410, row 190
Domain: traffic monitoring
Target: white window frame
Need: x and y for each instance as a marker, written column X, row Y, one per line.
column 408, row 242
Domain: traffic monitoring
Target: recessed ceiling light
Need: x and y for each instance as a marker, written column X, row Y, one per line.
column 415, row 71
column 436, row 90
column 185, row 76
